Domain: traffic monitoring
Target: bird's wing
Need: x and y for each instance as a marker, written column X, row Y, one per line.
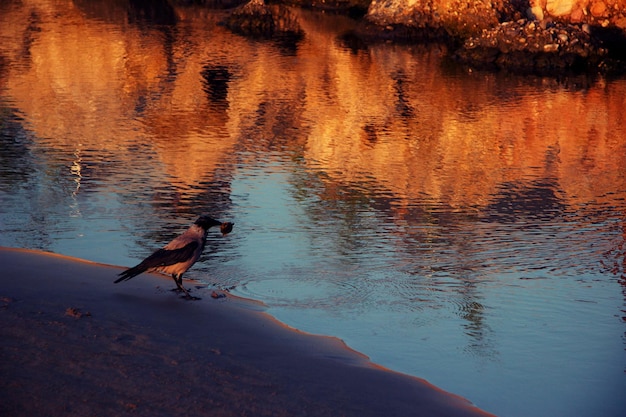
column 160, row 258
column 164, row 257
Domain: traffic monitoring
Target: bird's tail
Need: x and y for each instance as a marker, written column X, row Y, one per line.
column 130, row 273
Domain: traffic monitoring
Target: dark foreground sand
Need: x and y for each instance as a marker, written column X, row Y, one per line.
column 72, row 343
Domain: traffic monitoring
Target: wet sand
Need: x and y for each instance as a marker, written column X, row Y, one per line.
column 75, row 344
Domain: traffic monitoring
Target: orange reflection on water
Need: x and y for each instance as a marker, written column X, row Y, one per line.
column 389, row 116
column 464, row 138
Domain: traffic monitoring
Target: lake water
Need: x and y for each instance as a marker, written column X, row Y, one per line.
column 464, row 227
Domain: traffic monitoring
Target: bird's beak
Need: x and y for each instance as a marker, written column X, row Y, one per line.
column 226, row 228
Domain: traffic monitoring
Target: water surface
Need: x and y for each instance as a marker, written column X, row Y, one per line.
column 463, row 227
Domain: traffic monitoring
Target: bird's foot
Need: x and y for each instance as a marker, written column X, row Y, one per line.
column 186, row 294
column 190, row 297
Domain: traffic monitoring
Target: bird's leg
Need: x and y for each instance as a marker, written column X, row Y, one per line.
column 179, row 283
column 178, row 279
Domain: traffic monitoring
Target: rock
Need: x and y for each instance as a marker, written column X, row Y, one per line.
column 260, row 20
column 217, row 295
column 353, row 8
column 550, row 47
column 598, row 9
column 559, row 7
column 621, row 23
column 577, row 15
column 76, row 313
column 535, row 13
column 459, row 18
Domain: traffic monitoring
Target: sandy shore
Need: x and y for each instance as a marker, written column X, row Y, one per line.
column 75, row 344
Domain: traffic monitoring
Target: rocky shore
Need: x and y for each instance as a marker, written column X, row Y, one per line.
column 541, row 47
column 540, row 36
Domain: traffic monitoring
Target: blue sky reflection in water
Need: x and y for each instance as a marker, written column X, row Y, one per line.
column 466, row 228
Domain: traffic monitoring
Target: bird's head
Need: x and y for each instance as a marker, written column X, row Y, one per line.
column 207, row 222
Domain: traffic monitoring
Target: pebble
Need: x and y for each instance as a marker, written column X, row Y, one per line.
column 551, row 47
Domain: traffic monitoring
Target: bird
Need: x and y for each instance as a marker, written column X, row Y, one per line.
column 180, row 254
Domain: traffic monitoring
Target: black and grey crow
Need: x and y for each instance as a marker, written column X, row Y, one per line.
column 180, row 254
